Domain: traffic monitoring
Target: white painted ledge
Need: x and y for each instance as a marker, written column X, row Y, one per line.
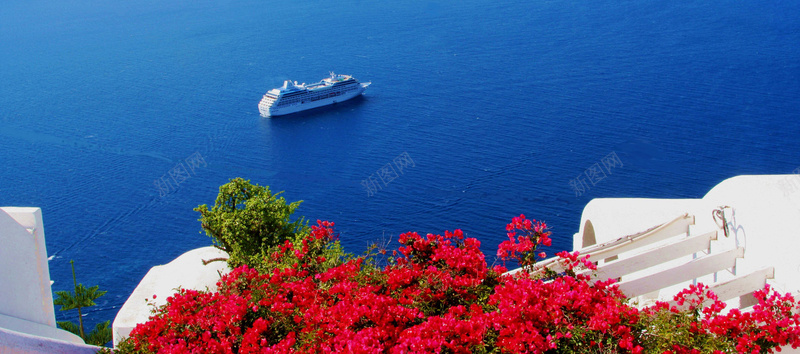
column 187, row 272
column 13, row 342
column 27, row 317
column 37, row 329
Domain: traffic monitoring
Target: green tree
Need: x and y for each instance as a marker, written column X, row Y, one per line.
column 80, row 298
column 247, row 220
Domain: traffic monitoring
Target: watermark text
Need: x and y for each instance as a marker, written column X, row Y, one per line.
column 595, row 173
column 179, row 174
column 388, row 173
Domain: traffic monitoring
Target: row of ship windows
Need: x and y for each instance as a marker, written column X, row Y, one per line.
column 313, row 97
column 314, row 94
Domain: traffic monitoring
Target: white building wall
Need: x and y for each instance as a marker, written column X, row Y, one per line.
column 762, row 214
column 27, row 316
column 766, row 221
column 25, row 291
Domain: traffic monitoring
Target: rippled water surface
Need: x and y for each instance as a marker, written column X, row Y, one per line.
column 501, row 108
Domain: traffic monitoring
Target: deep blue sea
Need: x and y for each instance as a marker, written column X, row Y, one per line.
column 502, row 108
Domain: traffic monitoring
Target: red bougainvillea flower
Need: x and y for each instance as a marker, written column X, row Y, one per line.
column 440, row 296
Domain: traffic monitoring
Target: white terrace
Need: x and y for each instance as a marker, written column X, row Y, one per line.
column 741, row 235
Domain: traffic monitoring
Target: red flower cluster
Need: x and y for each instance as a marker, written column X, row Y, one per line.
column 522, row 247
column 534, row 315
column 439, row 296
column 195, row 320
column 774, row 321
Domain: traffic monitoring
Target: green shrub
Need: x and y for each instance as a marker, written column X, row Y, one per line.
column 251, row 223
column 247, row 220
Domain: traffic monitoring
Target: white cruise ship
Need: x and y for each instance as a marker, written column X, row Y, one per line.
column 294, row 97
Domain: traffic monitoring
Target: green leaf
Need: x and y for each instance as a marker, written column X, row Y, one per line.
column 70, row 327
column 84, row 297
column 66, row 299
column 101, row 334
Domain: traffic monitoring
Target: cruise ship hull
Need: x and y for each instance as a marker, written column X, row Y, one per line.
column 268, row 110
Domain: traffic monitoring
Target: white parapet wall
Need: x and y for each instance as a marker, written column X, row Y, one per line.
column 188, row 271
column 766, row 221
column 13, row 342
column 27, row 317
column 755, row 218
column 26, row 292
column 762, row 217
